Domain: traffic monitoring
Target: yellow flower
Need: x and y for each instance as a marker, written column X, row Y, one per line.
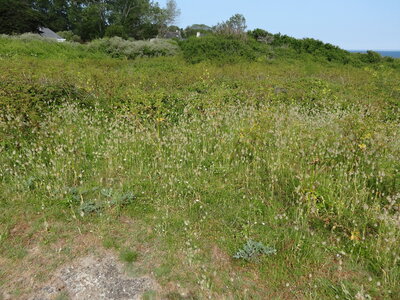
column 362, row 146
column 367, row 136
column 355, row 236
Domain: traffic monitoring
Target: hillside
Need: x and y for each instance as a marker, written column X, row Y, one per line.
column 175, row 161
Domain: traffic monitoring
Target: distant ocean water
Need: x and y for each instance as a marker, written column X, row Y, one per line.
column 395, row 54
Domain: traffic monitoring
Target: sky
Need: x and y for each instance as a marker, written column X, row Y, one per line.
column 350, row 24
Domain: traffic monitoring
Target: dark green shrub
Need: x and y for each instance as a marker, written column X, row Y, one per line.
column 18, row 17
column 314, row 47
column 116, row 30
column 221, row 48
column 261, row 35
column 31, row 100
column 129, row 256
column 371, row 57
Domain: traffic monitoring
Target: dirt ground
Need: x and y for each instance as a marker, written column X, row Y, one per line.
column 93, row 277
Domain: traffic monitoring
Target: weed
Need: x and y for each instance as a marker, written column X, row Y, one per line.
column 110, row 243
column 252, row 250
column 90, row 207
column 128, row 256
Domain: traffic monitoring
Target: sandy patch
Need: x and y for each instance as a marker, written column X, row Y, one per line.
column 94, row 277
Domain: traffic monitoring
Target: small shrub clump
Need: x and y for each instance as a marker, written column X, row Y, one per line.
column 120, row 48
column 129, row 256
column 70, row 36
column 222, row 48
column 252, row 250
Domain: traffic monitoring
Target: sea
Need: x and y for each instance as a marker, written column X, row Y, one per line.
column 394, row 54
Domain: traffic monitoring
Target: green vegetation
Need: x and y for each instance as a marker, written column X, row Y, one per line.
column 259, row 45
column 102, row 48
column 88, row 19
column 197, row 28
column 128, row 256
column 192, row 164
column 18, row 16
column 225, row 49
column 252, row 250
column 118, row 47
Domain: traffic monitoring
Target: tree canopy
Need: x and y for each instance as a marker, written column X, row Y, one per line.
column 18, row 16
column 89, row 19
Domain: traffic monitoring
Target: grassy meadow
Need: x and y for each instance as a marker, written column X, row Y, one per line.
column 175, row 166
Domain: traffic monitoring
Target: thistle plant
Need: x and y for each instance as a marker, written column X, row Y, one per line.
column 252, row 250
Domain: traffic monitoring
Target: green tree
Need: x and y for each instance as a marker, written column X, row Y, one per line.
column 93, row 21
column 18, row 16
column 139, row 18
column 116, row 30
column 53, row 13
column 89, row 19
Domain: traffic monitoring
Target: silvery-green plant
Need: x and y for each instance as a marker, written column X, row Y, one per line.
column 252, row 250
column 118, row 47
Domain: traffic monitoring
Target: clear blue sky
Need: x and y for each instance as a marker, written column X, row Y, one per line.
column 350, row 24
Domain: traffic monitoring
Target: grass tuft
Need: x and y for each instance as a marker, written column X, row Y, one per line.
column 128, row 256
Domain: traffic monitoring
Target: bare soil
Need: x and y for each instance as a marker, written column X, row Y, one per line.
column 93, row 277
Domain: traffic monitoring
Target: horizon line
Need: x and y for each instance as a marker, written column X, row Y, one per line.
column 382, row 50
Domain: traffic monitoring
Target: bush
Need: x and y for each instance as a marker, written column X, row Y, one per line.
column 27, row 37
column 70, row 36
column 116, row 30
column 118, row 47
column 32, row 100
column 33, row 45
column 371, row 57
column 261, row 35
column 311, row 46
column 221, row 48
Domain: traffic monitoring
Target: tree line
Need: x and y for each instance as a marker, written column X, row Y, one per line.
column 89, row 19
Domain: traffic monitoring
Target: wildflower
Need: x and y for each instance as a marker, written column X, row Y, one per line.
column 355, row 236
column 367, row 136
column 362, row 146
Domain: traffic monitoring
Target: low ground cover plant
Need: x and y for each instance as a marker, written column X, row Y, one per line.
column 252, row 250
